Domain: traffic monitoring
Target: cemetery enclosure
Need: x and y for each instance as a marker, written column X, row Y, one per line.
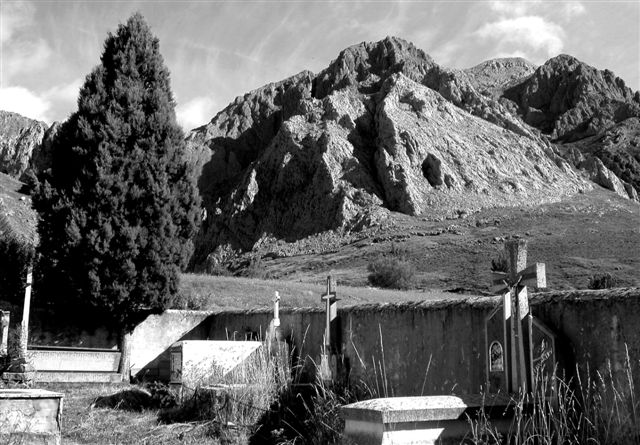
column 428, row 348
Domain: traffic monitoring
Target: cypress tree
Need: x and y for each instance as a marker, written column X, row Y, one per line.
column 119, row 206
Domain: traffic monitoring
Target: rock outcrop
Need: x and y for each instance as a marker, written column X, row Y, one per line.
column 570, row 100
column 382, row 129
column 20, row 138
column 493, row 77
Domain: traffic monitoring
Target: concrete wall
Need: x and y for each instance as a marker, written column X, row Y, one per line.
column 426, row 348
column 438, row 347
column 151, row 340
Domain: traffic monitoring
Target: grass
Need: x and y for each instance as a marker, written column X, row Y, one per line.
column 207, row 292
column 599, row 410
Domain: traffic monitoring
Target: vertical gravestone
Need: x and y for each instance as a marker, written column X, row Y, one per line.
column 328, row 355
column 20, row 370
column 520, row 350
column 4, row 337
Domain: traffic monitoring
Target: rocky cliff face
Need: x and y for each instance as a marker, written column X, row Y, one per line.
column 382, row 129
column 590, row 114
column 20, row 139
column 570, row 100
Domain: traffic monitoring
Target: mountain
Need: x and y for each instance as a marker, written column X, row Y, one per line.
column 383, row 128
column 24, row 144
column 385, row 137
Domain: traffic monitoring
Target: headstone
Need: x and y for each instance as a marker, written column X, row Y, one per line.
column 20, row 369
column 328, row 355
column 512, row 334
column 4, row 336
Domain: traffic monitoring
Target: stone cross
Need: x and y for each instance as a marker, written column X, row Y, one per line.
column 24, row 327
column 517, row 356
column 4, row 334
column 276, row 309
column 328, row 362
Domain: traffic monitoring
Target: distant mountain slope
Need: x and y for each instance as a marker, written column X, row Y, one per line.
column 20, row 137
column 494, row 76
column 570, row 100
column 382, row 128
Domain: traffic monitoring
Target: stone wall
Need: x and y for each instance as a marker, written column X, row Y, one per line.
column 407, row 348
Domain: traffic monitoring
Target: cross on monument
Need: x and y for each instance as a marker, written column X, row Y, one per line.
column 510, row 362
column 327, row 357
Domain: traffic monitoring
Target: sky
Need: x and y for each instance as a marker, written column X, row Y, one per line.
column 217, row 50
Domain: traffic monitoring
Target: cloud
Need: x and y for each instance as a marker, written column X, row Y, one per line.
column 39, row 106
column 520, row 33
column 14, row 16
column 196, row 112
column 22, row 101
column 563, row 10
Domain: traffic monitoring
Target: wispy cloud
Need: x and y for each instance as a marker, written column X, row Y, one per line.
column 13, row 16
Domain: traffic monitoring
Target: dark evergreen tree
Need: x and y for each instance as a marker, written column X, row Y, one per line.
column 120, row 204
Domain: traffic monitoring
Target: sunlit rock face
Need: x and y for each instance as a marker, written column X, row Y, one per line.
column 383, row 128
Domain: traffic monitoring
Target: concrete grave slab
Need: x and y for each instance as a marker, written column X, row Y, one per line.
column 203, row 362
column 30, row 416
column 422, row 420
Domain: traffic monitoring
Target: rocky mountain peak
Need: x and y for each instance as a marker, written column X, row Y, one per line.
column 570, row 100
column 366, row 65
column 494, row 76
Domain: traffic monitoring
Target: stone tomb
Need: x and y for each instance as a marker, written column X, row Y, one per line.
column 423, row 420
column 196, row 363
column 30, row 416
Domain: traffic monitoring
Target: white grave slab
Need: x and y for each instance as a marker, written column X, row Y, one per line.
column 421, row 420
column 202, row 362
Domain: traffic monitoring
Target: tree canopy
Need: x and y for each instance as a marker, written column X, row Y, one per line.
column 119, row 206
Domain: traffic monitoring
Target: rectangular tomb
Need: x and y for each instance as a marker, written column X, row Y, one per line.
column 423, row 420
column 197, row 363
column 30, row 416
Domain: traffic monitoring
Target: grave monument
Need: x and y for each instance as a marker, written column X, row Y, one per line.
column 330, row 350
column 519, row 350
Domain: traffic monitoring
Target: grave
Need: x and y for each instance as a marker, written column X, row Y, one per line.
column 30, row 416
column 423, row 420
column 196, row 363
column 520, row 352
column 75, row 365
column 330, row 349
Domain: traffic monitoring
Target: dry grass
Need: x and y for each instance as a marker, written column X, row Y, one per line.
column 596, row 410
column 207, row 292
column 104, row 426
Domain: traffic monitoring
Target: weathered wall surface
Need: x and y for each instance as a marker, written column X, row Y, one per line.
column 438, row 347
column 151, row 340
column 408, row 348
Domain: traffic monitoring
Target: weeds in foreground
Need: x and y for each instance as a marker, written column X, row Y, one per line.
column 601, row 410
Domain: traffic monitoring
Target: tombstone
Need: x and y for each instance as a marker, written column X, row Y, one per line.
column 328, row 356
column 4, row 336
column 20, row 370
column 519, row 348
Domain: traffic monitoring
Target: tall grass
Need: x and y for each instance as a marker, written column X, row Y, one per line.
column 598, row 409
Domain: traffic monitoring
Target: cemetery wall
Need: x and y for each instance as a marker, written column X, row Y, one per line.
column 438, row 347
column 409, row 348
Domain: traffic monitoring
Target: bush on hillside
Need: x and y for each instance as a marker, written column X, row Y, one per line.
column 392, row 273
column 602, row 281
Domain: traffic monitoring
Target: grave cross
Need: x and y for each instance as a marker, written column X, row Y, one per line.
column 513, row 285
column 328, row 363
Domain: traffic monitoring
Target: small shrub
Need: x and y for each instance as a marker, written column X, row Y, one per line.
column 602, row 281
column 500, row 263
column 391, row 273
column 256, row 269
